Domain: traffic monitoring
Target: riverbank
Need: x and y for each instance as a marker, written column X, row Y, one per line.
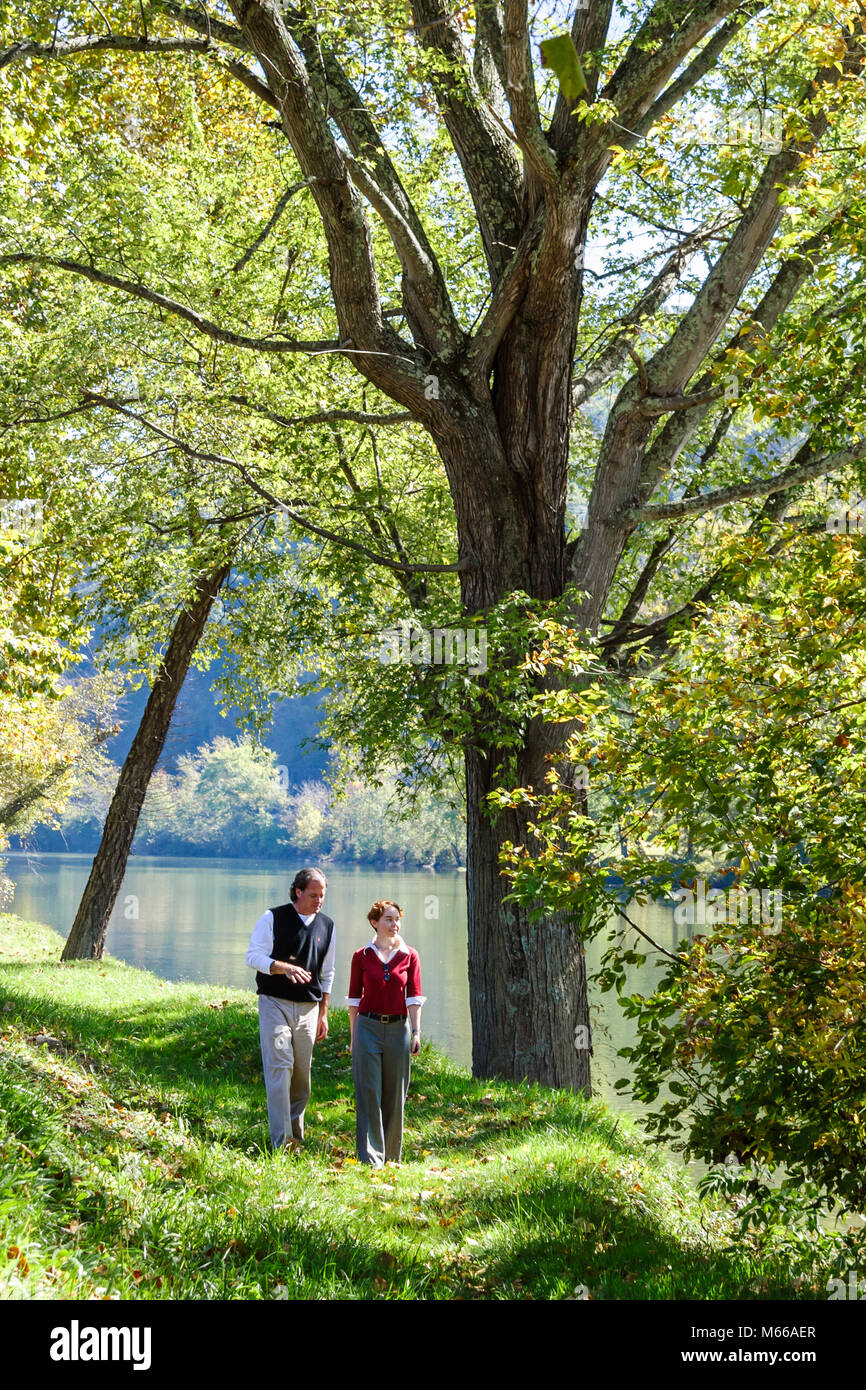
column 132, row 1129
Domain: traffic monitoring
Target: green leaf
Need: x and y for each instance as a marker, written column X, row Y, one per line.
column 561, row 55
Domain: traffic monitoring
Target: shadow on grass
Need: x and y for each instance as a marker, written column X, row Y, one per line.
column 203, row 1063
column 213, row 1055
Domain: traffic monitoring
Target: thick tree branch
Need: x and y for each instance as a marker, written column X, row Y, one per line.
column 759, row 487
column 486, row 155
column 675, row 363
column 609, row 361
column 522, row 98
column 653, row 406
column 589, row 32
column 791, row 275
column 428, row 306
column 102, row 43
column 505, row 301
column 700, row 65
column 251, row 82
column 488, row 61
column 327, row 417
column 201, row 21
column 667, row 36
column 425, row 294
column 378, row 351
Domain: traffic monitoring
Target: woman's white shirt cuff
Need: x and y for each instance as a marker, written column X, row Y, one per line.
column 353, row 1003
column 417, row 999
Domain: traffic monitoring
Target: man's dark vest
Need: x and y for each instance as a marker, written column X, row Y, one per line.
column 297, row 944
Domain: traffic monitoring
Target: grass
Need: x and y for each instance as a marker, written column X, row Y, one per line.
column 134, row 1165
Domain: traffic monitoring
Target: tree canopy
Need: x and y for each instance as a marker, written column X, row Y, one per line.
column 617, row 325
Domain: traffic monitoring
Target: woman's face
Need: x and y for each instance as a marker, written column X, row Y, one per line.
column 388, row 925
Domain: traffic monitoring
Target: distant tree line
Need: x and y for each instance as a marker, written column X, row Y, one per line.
column 231, row 798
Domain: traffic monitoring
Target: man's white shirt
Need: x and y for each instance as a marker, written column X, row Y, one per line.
column 262, row 941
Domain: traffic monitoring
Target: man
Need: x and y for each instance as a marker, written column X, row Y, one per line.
column 292, row 950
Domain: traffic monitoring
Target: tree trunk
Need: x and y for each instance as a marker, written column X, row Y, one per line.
column 529, row 1004
column 87, row 938
column 527, row 979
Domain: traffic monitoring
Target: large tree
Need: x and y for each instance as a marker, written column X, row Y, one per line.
column 729, row 260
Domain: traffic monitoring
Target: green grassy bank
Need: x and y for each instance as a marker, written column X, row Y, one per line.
column 133, row 1131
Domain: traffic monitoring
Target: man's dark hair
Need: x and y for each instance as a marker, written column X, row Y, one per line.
column 302, row 878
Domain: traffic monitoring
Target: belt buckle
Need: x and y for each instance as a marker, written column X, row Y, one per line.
column 383, row 1018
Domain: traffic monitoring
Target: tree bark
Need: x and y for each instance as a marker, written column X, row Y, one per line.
column 528, row 1000
column 86, row 940
column 528, row 986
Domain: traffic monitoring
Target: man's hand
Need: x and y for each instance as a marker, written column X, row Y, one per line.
column 296, row 974
column 322, row 1030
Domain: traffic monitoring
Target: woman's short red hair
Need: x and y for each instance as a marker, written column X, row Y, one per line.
column 379, row 907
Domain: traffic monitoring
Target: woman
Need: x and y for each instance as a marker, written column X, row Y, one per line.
column 384, row 996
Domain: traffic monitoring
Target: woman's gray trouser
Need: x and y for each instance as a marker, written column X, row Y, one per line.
column 380, row 1071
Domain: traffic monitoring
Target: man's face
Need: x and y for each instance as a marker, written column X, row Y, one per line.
column 310, row 899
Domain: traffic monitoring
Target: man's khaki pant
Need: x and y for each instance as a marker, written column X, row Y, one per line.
column 288, row 1033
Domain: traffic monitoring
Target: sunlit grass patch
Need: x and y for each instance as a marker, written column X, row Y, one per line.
column 135, row 1165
